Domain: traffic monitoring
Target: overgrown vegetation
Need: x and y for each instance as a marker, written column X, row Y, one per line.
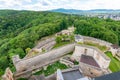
column 60, row 44
column 108, row 30
column 20, row 30
column 52, row 69
column 114, row 64
column 76, row 62
column 62, row 40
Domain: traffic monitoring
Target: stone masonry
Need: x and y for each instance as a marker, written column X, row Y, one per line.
column 38, row 61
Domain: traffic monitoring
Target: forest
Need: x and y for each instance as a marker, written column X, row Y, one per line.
column 105, row 29
column 20, row 30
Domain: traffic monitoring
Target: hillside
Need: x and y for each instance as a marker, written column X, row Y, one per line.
column 82, row 12
column 20, row 30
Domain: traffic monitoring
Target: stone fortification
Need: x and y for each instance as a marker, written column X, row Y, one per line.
column 43, row 59
column 43, row 46
column 99, row 56
column 44, row 42
column 25, row 67
column 95, row 40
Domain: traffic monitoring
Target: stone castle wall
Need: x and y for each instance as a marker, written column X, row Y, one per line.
column 40, row 60
column 45, row 42
column 27, row 65
column 95, row 40
column 91, row 71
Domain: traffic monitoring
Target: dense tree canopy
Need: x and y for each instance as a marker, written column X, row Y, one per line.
column 20, row 30
column 107, row 30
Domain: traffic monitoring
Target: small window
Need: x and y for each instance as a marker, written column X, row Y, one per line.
column 85, row 51
column 91, row 73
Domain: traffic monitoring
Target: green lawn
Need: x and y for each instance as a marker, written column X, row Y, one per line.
column 114, row 64
column 52, row 69
column 102, row 48
column 60, row 44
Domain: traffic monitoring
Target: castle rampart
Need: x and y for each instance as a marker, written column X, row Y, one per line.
column 39, row 60
column 95, row 40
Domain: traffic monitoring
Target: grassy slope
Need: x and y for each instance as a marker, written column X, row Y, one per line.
column 103, row 48
column 61, row 44
column 114, row 64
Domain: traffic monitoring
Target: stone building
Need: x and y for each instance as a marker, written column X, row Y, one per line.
column 98, row 55
column 77, row 75
column 92, row 61
column 89, row 66
column 70, row 74
column 29, row 65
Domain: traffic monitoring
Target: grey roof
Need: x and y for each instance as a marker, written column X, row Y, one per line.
column 112, row 76
column 78, row 37
column 72, row 75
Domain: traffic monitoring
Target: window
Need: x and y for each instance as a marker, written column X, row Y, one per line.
column 85, row 51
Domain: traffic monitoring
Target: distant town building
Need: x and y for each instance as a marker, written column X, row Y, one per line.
column 106, row 16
